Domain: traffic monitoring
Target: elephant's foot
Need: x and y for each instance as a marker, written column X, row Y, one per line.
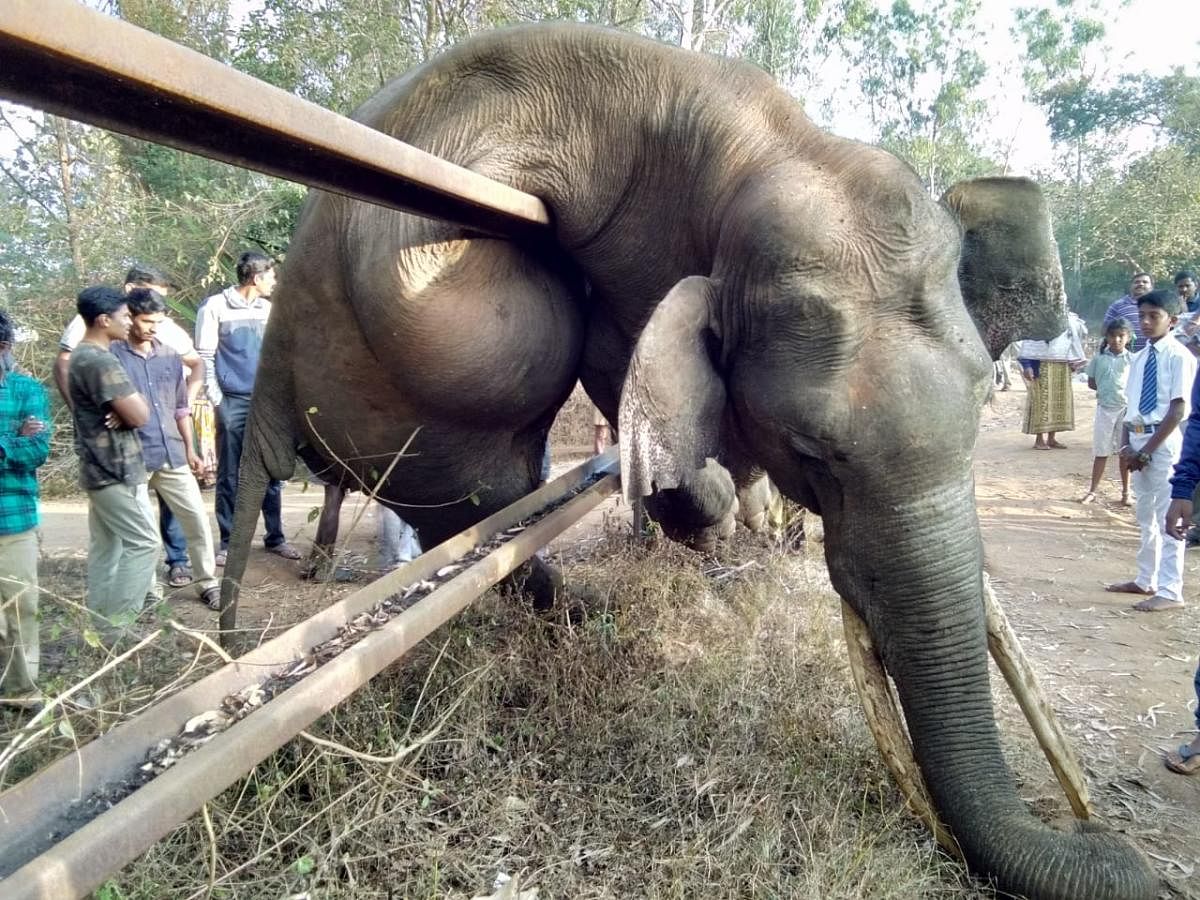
column 541, row 585
column 318, row 566
column 538, row 582
column 321, row 567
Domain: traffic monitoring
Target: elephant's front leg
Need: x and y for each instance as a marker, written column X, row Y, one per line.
column 320, row 565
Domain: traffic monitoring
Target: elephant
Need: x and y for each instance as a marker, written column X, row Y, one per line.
column 742, row 292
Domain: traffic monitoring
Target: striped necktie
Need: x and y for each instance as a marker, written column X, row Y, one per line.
column 1149, row 398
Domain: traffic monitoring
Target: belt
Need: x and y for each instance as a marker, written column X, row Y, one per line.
column 1143, row 429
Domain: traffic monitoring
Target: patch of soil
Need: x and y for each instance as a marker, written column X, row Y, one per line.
column 1120, row 680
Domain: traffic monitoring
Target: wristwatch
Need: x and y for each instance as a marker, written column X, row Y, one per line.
column 1143, row 458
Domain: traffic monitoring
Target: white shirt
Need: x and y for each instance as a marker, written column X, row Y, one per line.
column 1176, row 370
column 168, row 332
column 1067, row 347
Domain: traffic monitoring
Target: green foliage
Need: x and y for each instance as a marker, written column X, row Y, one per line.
column 78, row 205
column 920, row 74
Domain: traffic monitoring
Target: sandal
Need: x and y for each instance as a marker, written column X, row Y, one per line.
column 179, row 576
column 1184, row 761
column 1089, row 497
column 211, row 597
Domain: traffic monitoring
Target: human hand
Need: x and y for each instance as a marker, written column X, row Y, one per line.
column 1027, row 374
column 1179, row 517
column 196, row 464
column 112, row 421
column 31, row 426
column 1129, row 457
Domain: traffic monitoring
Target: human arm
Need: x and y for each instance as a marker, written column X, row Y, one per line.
column 183, row 421
column 208, row 325
column 1187, row 471
column 195, row 375
column 195, row 463
column 106, row 383
column 132, row 410
column 178, row 339
column 27, row 448
column 62, row 375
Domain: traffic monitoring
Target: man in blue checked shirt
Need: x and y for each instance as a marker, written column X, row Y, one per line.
column 24, row 446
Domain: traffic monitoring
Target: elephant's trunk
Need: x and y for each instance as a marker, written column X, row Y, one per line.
column 912, row 569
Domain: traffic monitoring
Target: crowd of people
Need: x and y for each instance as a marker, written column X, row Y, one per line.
column 136, row 384
column 1148, row 416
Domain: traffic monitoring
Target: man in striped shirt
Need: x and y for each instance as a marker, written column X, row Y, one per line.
column 1127, row 308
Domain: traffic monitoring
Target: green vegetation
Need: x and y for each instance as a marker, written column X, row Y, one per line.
column 77, row 205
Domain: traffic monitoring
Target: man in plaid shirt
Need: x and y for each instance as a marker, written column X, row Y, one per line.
column 24, row 445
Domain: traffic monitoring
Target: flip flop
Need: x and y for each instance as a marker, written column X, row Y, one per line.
column 1128, row 587
column 1089, row 497
column 211, row 597
column 179, row 576
column 1158, row 604
column 1184, row 761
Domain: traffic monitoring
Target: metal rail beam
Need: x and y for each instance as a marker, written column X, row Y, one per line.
column 61, row 57
column 34, row 809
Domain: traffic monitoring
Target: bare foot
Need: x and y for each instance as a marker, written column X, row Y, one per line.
column 1125, row 500
column 1129, row 587
column 1158, row 604
column 1057, row 446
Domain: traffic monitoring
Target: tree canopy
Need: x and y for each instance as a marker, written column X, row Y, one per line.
column 78, row 204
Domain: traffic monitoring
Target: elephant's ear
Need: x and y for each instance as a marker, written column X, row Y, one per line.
column 673, row 398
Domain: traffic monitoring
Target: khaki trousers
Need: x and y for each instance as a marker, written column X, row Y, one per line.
column 180, row 490
column 18, row 626
column 123, row 555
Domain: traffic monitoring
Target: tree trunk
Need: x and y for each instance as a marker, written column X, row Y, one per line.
column 1077, row 261
column 66, row 184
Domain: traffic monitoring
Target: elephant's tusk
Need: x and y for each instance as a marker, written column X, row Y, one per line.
column 883, row 718
column 1015, row 667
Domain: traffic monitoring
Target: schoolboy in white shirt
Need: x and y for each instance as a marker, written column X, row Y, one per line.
column 1160, row 384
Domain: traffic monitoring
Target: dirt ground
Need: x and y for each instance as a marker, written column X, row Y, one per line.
column 1121, row 681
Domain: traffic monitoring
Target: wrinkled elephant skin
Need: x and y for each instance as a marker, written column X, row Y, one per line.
column 743, row 292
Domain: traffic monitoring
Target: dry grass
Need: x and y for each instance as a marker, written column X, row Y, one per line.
column 693, row 734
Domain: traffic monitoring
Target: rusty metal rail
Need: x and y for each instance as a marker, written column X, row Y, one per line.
column 36, row 812
column 64, row 58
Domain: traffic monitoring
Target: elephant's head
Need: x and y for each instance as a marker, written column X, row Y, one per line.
column 830, row 346
column 1009, row 270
